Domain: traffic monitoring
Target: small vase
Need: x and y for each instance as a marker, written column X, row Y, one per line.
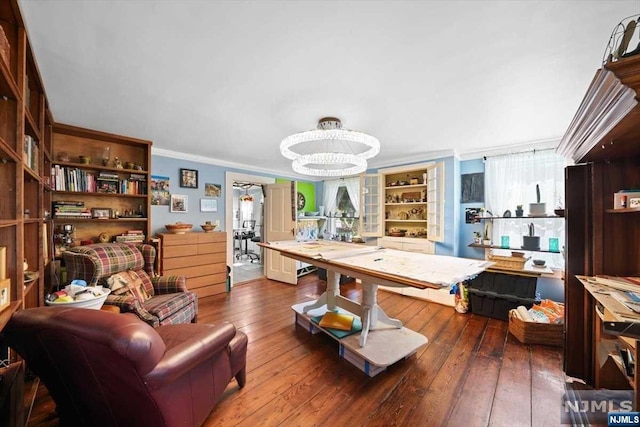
column 486, row 242
column 519, row 212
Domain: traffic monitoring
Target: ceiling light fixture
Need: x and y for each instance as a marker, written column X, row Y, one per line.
column 329, row 150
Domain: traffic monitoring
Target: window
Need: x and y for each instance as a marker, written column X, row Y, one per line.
column 510, row 180
column 342, row 206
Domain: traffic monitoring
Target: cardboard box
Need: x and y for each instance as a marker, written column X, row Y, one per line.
column 5, row 293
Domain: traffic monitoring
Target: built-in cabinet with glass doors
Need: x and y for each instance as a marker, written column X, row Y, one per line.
column 403, row 206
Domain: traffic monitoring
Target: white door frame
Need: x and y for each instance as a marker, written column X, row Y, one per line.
column 230, row 177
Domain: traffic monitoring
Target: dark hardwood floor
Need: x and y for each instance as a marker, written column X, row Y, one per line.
column 472, row 372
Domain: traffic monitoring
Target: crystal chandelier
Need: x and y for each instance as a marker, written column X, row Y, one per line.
column 329, row 150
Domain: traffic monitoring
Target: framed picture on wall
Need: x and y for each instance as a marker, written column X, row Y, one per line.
column 212, row 190
column 208, row 205
column 178, row 203
column 188, row 178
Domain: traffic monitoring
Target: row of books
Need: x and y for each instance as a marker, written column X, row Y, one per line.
column 70, row 209
column 81, row 180
column 131, row 236
column 31, row 152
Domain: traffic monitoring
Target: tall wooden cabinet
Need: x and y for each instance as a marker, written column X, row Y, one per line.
column 604, row 140
column 101, row 185
column 25, row 150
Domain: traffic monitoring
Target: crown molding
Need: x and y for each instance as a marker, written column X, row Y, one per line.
column 510, row 149
column 230, row 165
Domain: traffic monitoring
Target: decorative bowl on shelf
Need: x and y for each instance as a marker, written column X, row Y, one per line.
column 397, row 233
column 539, row 262
column 559, row 212
column 517, row 254
column 311, row 213
column 208, row 227
column 178, row 228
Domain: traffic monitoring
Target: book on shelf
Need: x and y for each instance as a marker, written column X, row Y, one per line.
column 108, row 176
column 31, row 152
column 67, row 203
column 335, row 320
column 130, row 238
column 108, row 187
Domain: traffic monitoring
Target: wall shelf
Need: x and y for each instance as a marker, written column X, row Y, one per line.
column 623, row 210
column 481, row 246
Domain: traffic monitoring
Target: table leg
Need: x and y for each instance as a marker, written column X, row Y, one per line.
column 329, row 296
column 372, row 313
column 366, row 323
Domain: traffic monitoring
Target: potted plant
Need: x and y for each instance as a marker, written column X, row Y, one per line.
column 486, row 240
column 531, row 242
column 519, row 211
column 477, row 237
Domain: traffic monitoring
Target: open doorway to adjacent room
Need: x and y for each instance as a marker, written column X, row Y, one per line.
column 244, row 225
column 248, row 216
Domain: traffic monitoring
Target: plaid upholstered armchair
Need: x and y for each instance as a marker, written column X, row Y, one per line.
column 155, row 299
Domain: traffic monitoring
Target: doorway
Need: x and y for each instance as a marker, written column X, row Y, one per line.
column 248, row 219
column 244, row 217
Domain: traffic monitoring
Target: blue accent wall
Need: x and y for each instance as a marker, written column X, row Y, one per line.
column 207, row 173
column 169, row 167
column 466, row 230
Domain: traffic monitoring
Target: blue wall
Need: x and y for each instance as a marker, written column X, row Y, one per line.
column 161, row 215
column 466, row 230
column 207, row 173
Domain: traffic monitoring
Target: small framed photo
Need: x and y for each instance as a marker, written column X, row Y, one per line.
column 634, row 202
column 101, row 213
column 188, row 178
column 212, row 190
column 178, row 203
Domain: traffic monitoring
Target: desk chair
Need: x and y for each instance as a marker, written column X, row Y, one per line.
column 250, row 225
column 244, row 235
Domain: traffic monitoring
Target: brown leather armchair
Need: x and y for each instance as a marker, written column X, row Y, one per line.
column 107, row 369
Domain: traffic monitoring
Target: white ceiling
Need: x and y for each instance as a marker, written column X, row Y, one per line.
column 227, row 80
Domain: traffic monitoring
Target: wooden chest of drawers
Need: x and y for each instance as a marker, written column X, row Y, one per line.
column 199, row 256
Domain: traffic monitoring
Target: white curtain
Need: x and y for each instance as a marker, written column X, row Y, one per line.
column 510, row 180
column 353, row 188
column 330, row 201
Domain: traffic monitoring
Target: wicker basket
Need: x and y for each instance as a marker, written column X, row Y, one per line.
column 508, row 262
column 536, row 333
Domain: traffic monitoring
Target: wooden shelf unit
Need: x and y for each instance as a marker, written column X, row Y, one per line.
column 70, row 142
column 603, row 140
column 25, row 141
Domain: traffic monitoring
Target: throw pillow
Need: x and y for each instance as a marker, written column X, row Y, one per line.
column 128, row 283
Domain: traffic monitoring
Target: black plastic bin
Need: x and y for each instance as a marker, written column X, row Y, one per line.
column 505, row 284
column 491, row 304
